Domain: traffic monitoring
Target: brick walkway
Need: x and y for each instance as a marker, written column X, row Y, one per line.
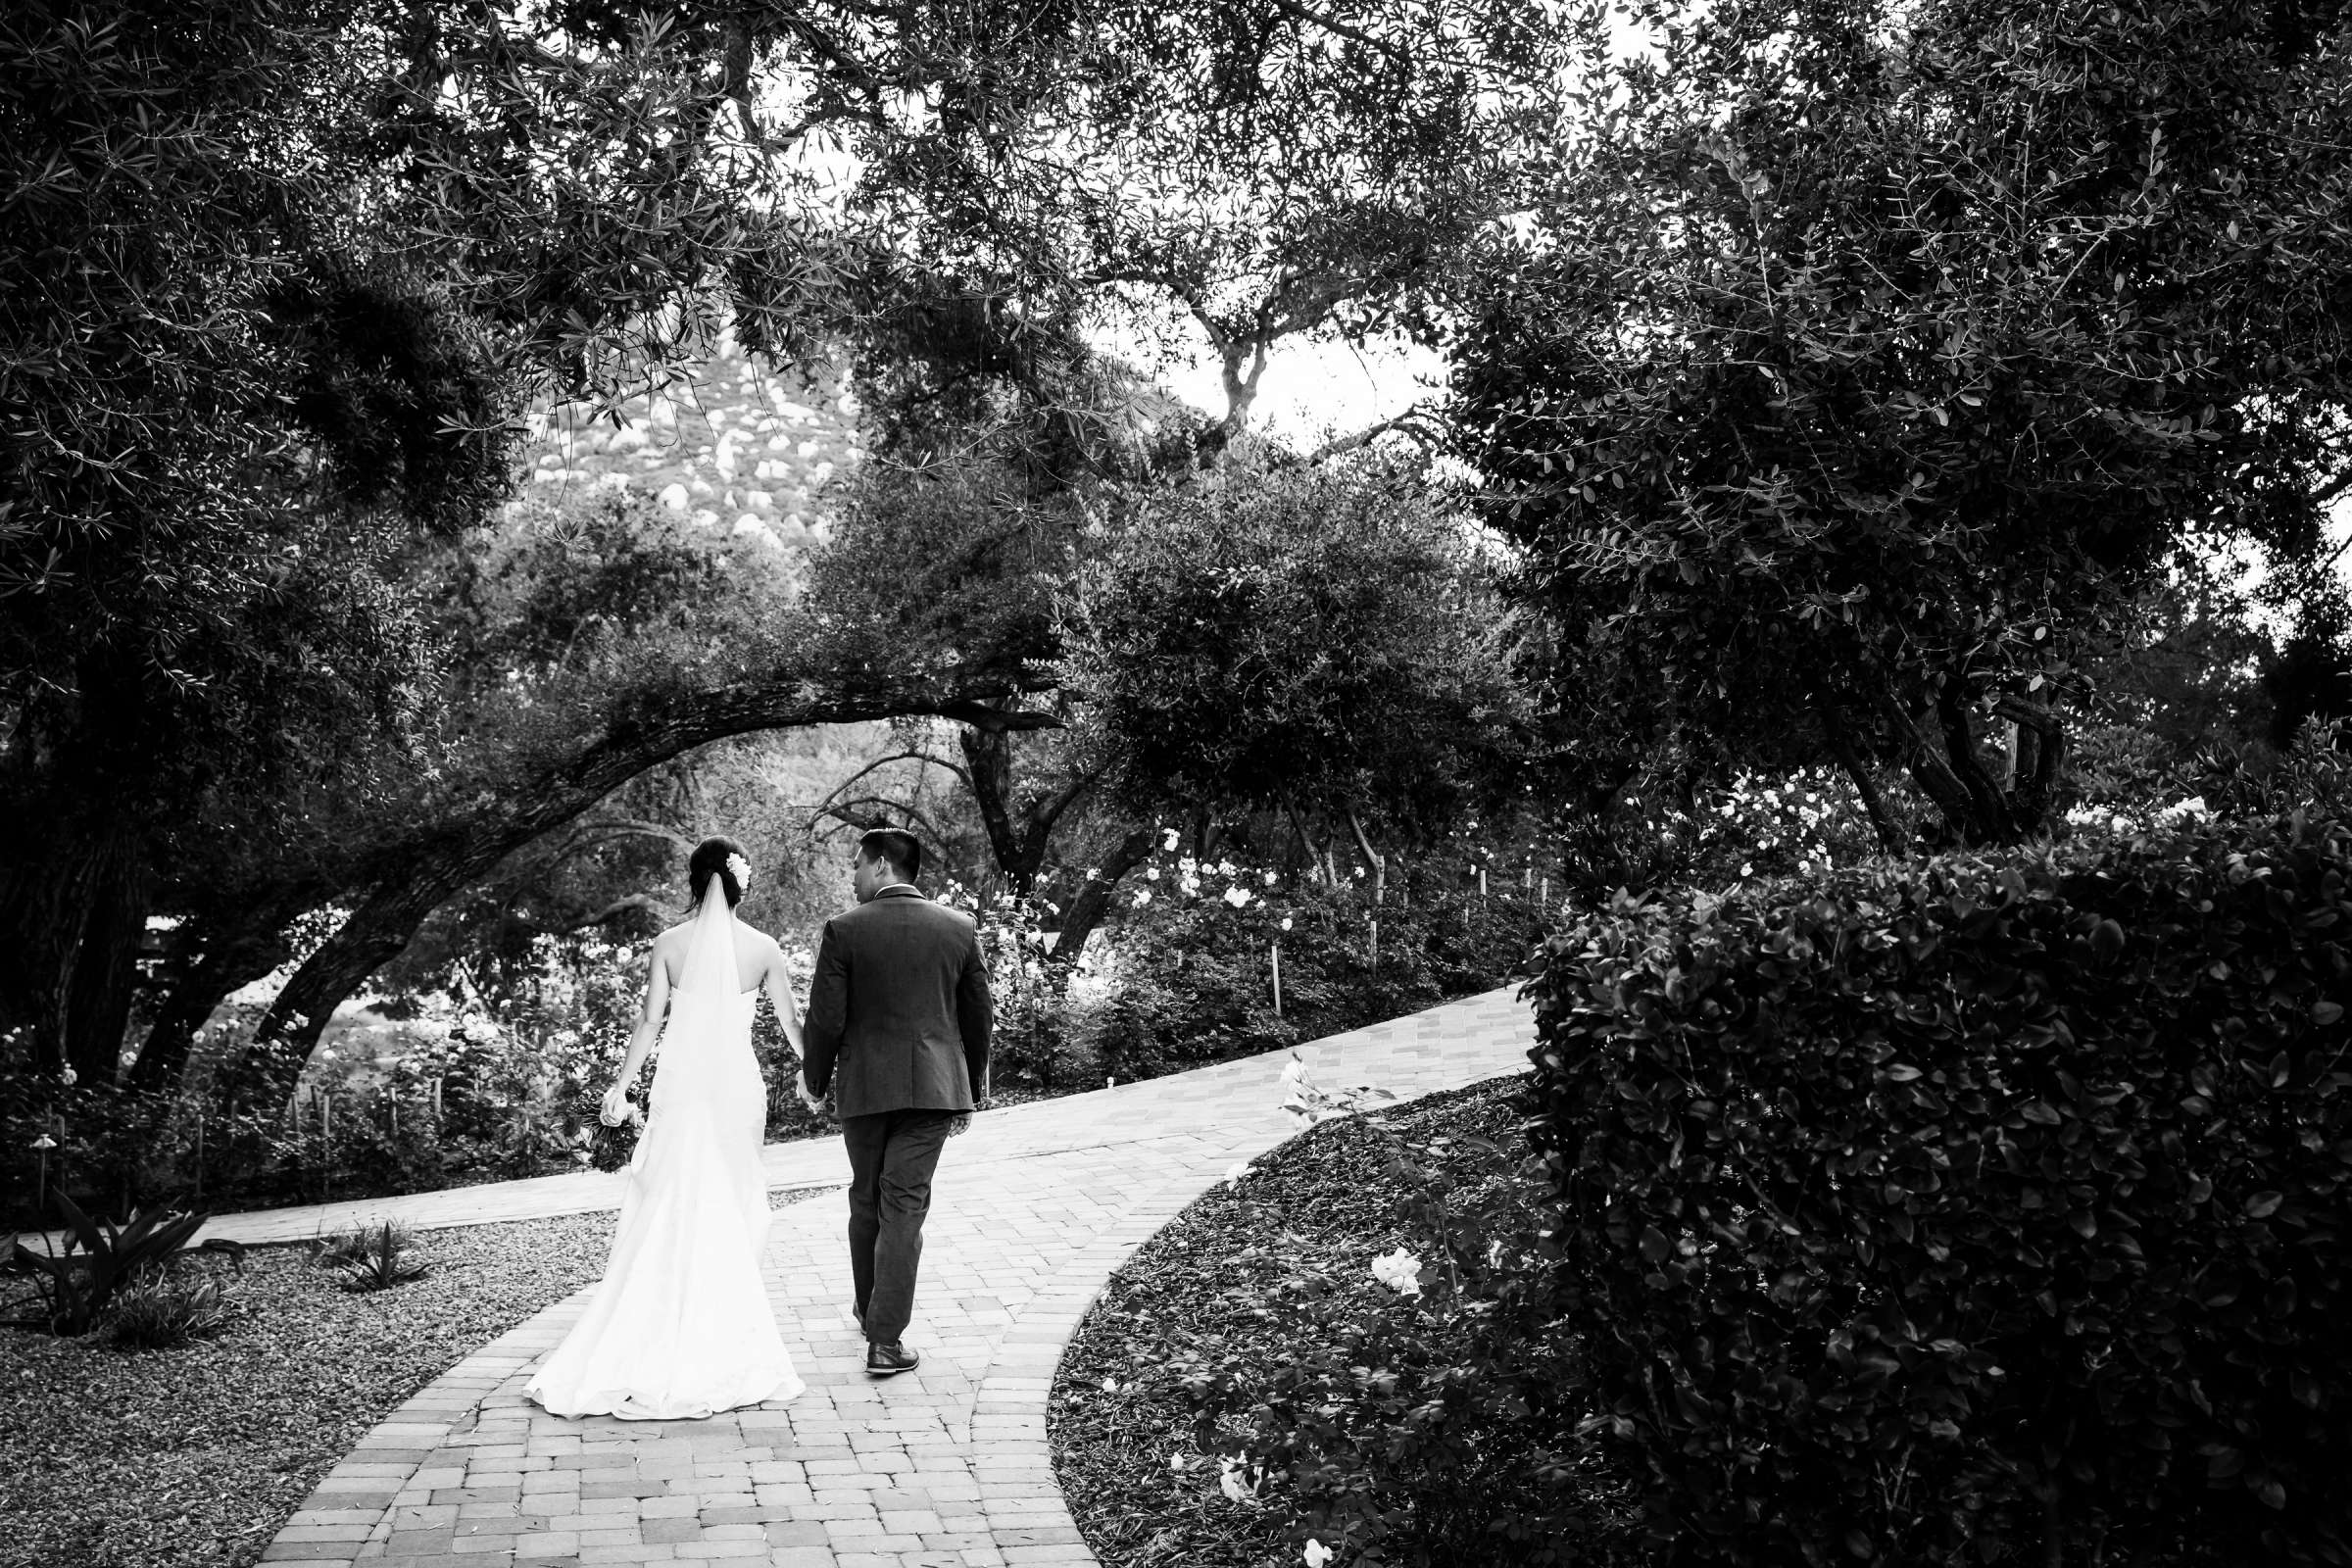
column 942, row 1467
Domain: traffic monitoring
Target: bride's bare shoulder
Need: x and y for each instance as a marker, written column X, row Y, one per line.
column 757, row 938
column 673, row 940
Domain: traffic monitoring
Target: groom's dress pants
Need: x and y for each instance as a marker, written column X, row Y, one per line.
column 891, row 1156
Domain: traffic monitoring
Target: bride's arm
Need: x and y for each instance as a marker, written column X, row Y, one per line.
column 648, row 1030
column 779, row 997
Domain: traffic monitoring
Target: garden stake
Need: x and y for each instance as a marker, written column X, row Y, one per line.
column 1375, row 951
column 1276, row 949
column 200, row 1159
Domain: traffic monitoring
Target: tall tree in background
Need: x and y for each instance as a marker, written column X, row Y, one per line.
column 1865, row 362
column 1317, row 641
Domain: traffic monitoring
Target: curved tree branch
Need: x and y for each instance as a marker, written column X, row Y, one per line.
column 417, row 875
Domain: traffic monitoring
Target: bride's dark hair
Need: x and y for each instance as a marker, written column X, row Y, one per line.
column 710, row 859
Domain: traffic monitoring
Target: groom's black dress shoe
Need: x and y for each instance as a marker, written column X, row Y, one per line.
column 888, row 1360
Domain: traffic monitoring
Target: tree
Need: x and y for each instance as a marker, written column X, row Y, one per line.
column 280, row 279
column 1865, row 364
column 1237, row 174
column 1321, row 642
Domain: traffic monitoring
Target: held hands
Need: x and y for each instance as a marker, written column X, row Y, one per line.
column 616, row 1107
column 817, row 1107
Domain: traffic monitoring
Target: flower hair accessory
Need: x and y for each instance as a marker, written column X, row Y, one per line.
column 741, row 870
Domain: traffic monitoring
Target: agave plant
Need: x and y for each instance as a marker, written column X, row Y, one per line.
column 379, row 1257
column 101, row 1258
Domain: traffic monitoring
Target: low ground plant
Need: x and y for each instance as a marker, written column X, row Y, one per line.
column 1350, row 1347
column 375, row 1257
column 168, row 1308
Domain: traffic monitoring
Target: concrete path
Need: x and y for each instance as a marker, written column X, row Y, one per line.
column 942, row 1467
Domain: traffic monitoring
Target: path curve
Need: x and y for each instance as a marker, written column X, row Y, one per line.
column 944, row 1467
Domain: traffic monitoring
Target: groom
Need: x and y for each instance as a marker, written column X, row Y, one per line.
column 900, row 1004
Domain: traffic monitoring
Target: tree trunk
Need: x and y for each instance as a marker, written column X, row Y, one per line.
column 2042, row 761
column 988, row 758
column 105, row 962
column 1306, row 840
column 217, row 952
column 1378, row 861
column 1842, row 750
column 1019, row 846
column 73, row 910
column 1986, row 795
column 1093, row 902
column 421, row 874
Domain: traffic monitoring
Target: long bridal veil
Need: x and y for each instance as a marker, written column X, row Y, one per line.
column 680, row 1325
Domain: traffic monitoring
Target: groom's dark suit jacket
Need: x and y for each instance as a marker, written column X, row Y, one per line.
column 898, row 1007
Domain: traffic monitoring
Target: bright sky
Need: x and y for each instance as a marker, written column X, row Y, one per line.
column 1312, row 391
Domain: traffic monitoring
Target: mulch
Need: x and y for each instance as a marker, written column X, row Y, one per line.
column 196, row 1456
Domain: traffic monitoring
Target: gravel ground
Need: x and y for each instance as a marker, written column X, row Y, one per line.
column 195, row 1457
column 1213, row 1276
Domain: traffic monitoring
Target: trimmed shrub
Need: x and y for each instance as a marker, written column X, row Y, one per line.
column 1986, row 1210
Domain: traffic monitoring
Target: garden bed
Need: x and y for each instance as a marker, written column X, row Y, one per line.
column 196, row 1456
column 1212, row 1285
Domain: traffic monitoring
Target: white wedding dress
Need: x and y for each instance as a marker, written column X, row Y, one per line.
column 680, row 1325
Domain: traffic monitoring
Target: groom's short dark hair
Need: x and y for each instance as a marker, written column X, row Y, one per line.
column 902, row 849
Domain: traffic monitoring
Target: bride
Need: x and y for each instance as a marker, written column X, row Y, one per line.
column 680, row 1325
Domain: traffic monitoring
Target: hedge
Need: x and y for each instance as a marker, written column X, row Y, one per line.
column 1991, row 1209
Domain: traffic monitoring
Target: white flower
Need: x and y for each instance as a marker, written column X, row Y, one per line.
column 1237, row 1170
column 1238, row 897
column 1143, row 895
column 1176, row 1461
column 1151, row 873
column 1167, row 840
column 1233, row 1481
column 1285, row 922
column 1400, row 1271
column 2194, row 810
column 69, row 1077
column 1269, row 878
column 1110, row 1384
column 1317, row 1553
column 1748, row 868
column 741, row 869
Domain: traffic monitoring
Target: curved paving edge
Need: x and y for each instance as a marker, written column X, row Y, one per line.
column 946, row 1467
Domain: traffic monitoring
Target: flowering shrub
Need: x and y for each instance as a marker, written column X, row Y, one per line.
column 1186, row 976
column 1993, row 1207
column 1756, row 826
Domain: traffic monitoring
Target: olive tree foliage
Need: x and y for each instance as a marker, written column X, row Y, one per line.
column 1239, row 174
column 1320, row 641
column 1863, row 365
column 280, row 278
